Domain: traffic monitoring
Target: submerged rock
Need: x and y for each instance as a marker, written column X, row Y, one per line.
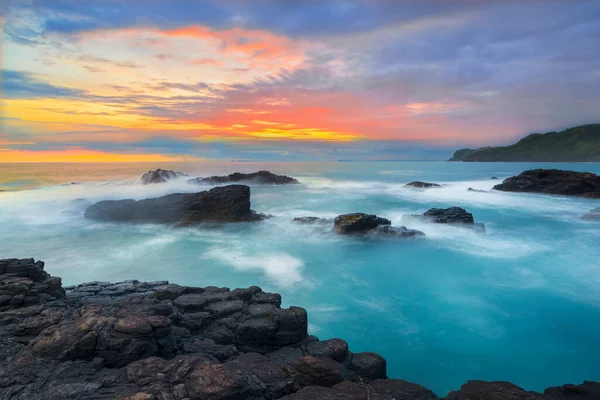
column 593, row 215
column 154, row 340
column 220, row 204
column 553, row 181
column 312, row 220
column 395, row 231
column 494, row 178
column 159, row 176
column 420, row 184
column 260, row 177
column 476, row 190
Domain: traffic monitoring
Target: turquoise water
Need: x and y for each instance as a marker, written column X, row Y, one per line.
column 519, row 303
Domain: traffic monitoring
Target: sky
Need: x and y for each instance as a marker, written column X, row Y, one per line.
column 153, row 80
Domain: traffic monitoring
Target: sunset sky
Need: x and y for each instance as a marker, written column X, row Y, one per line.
column 290, row 80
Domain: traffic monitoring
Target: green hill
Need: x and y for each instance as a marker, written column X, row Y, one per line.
column 581, row 143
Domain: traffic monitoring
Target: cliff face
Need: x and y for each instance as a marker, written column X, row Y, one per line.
column 581, row 143
column 154, row 340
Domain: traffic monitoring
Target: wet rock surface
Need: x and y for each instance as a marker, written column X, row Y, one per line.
column 221, row 204
column 159, row 176
column 357, row 223
column 453, row 215
column 553, row 181
column 420, row 184
column 370, row 225
column 158, row 341
column 260, row 177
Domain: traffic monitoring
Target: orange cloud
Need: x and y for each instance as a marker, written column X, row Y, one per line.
column 235, row 49
column 80, row 155
column 257, row 43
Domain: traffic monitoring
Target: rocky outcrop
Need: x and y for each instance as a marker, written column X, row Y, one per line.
column 420, row 184
column 159, row 176
column 475, row 390
column 593, row 215
column 220, row 204
column 369, row 224
column 553, row 181
column 260, row 177
column 154, row 340
column 25, row 283
column 452, row 215
column 358, row 223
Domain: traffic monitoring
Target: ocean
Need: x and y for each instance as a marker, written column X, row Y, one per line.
column 520, row 302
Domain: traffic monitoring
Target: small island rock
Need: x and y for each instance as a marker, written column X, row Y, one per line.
column 452, row 215
column 347, row 224
column 159, row 176
column 553, row 181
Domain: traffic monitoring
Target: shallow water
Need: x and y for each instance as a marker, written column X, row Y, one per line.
column 519, row 303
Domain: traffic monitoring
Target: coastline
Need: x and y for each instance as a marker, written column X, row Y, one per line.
column 154, row 340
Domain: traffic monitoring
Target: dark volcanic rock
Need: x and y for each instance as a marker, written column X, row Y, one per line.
column 358, row 223
column 480, row 390
column 159, row 176
column 157, row 341
column 260, row 177
column 586, row 391
column 553, row 181
column 220, row 204
column 452, row 215
column 372, row 225
column 593, row 215
column 420, row 184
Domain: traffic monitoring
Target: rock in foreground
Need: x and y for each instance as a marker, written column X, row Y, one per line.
column 369, row 224
column 220, row 204
column 553, row 181
column 260, row 177
column 159, row 176
column 420, row 184
column 158, row 341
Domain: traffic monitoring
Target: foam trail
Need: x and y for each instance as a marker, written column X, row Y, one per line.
column 283, row 269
